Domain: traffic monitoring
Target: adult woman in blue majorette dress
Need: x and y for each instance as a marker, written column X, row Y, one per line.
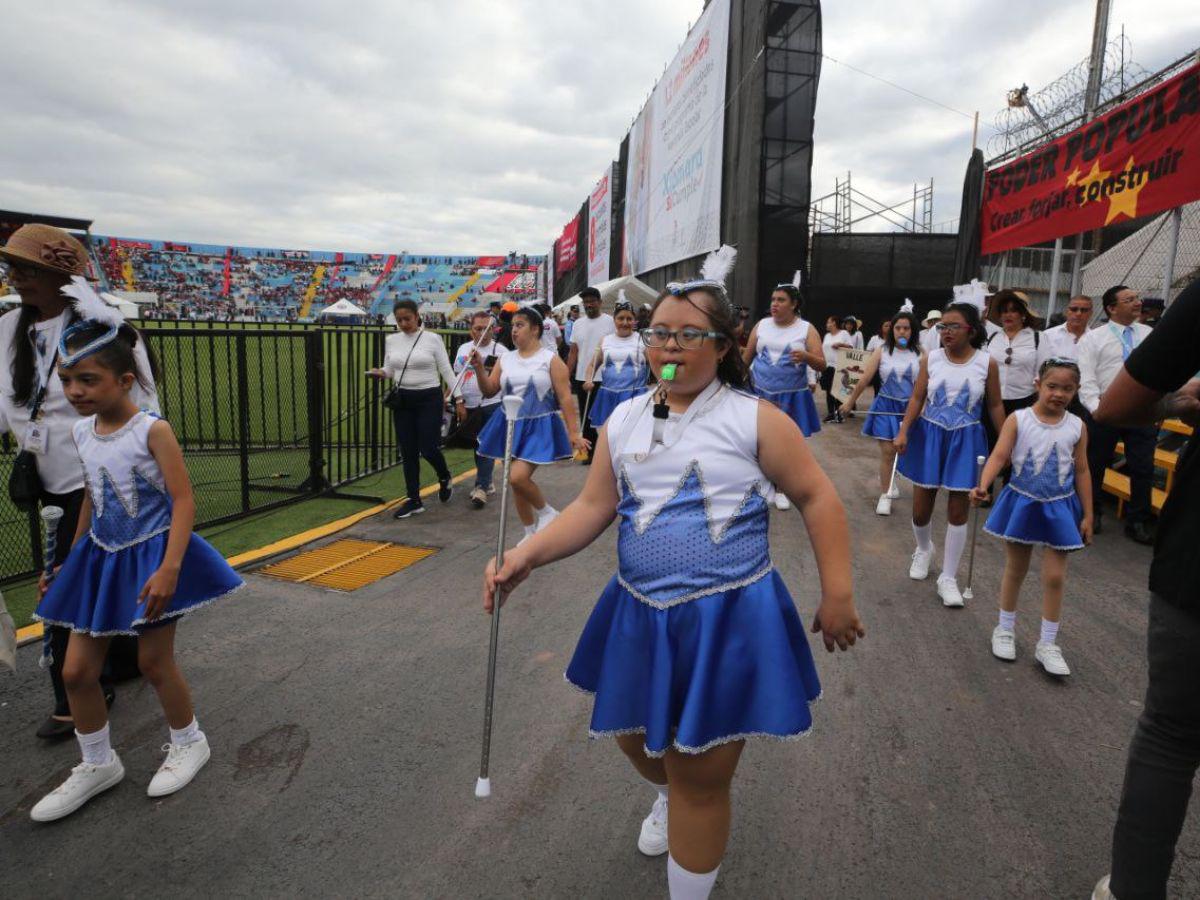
column 942, row 435
column 695, row 645
column 897, row 360
column 779, row 352
column 540, row 378
column 619, row 366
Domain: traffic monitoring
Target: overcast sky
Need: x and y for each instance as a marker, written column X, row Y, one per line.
column 465, row 125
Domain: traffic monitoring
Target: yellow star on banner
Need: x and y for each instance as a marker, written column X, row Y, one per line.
column 1073, row 178
column 1125, row 202
column 1095, row 175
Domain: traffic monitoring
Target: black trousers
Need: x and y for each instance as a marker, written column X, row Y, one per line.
column 1163, row 757
column 419, row 434
column 581, row 396
column 832, row 403
column 122, row 651
column 1139, row 464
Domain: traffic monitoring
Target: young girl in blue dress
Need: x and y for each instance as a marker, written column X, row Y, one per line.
column 896, row 361
column 135, row 567
column 540, row 378
column 620, row 362
column 1047, row 503
column 780, row 351
column 942, row 435
column 695, row 645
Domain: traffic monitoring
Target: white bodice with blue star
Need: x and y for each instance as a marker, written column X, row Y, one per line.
column 130, row 503
column 1043, row 457
column 693, row 512
column 529, row 378
column 955, row 393
column 772, row 368
column 624, row 363
column 898, row 373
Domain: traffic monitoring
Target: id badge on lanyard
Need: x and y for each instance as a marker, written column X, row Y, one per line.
column 37, row 437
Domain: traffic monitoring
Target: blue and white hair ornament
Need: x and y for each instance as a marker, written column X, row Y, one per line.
column 716, row 268
column 91, row 310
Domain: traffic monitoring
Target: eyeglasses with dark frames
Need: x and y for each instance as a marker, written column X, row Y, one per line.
column 685, row 338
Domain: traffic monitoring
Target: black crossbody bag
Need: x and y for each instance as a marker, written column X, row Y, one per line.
column 24, row 481
column 397, row 397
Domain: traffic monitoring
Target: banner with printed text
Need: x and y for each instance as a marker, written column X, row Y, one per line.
column 1139, row 158
column 599, row 228
column 673, row 179
column 568, row 246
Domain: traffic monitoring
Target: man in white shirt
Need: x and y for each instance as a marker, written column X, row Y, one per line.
column 551, row 330
column 468, row 398
column 1063, row 340
column 930, row 338
column 587, row 333
column 1101, row 355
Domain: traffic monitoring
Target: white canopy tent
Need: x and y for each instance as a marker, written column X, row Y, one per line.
column 636, row 291
column 342, row 309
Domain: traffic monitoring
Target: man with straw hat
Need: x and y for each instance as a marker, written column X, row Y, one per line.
column 39, row 261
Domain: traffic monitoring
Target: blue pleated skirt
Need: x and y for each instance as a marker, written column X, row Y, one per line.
column 939, row 457
column 799, row 407
column 720, row 668
column 96, row 591
column 1051, row 523
column 604, row 401
column 884, row 418
column 540, row 440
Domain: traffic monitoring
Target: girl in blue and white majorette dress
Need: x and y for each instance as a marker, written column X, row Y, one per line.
column 941, row 437
column 1041, row 504
column 540, row 378
column 619, row 366
column 695, row 645
column 135, row 567
column 896, row 360
column 780, row 351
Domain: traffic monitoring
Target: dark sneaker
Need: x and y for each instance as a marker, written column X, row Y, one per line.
column 445, row 490
column 409, row 507
column 1140, row 533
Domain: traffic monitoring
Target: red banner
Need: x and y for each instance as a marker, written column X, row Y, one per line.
column 568, row 246
column 1140, row 158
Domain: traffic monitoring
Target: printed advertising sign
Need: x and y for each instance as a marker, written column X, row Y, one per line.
column 568, row 243
column 1139, row 158
column 847, row 372
column 599, row 228
column 673, row 183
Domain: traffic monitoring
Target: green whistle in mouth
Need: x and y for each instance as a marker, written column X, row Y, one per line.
column 668, row 372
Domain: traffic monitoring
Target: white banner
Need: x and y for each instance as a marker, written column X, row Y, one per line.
column 599, row 228
column 673, row 179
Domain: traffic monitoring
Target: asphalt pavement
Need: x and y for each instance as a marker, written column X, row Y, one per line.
column 345, row 731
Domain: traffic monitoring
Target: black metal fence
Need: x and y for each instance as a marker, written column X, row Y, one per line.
column 265, row 415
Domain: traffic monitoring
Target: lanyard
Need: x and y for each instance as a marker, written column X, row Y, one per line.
column 647, row 445
column 1126, row 349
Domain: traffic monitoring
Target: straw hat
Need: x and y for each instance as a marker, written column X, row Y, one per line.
column 46, row 247
column 932, row 316
column 1000, row 299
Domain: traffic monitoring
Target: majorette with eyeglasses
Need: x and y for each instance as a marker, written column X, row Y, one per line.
column 695, row 645
column 618, row 366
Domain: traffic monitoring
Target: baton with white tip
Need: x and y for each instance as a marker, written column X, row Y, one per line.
column 969, row 594
column 51, row 516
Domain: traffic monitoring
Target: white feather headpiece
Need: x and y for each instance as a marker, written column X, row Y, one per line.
column 92, row 310
column 906, row 306
column 623, row 300
column 716, row 268
column 797, row 282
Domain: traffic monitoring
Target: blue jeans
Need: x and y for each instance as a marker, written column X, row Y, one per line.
column 484, row 464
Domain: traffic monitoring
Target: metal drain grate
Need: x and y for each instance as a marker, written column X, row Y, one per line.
column 347, row 565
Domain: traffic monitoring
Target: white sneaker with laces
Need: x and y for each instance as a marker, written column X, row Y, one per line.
column 894, row 493
column 947, row 589
column 86, row 782
column 1004, row 644
column 479, row 497
column 1051, row 658
column 781, row 501
column 921, row 559
column 179, row 768
column 653, row 839
column 884, row 506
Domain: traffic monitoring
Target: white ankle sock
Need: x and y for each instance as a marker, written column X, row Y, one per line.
column 530, row 529
column 685, row 885
column 661, row 788
column 924, row 536
column 1049, row 632
column 1008, row 620
column 546, row 513
column 188, row 734
column 956, row 540
column 95, row 746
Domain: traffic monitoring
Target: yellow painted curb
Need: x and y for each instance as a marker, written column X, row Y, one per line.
column 34, row 632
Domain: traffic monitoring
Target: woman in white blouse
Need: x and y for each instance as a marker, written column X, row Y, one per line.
column 1015, row 349
column 416, row 362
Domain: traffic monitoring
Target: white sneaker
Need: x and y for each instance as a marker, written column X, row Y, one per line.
column 1004, row 644
column 653, row 839
column 543, row 521
column 179, row 768
column 919, row 570
column 894, row 493
column 781, row 501
column 86, row 782
column 1051, row 658
column 884, row 506
column 947, row 589
column 1102, row 891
